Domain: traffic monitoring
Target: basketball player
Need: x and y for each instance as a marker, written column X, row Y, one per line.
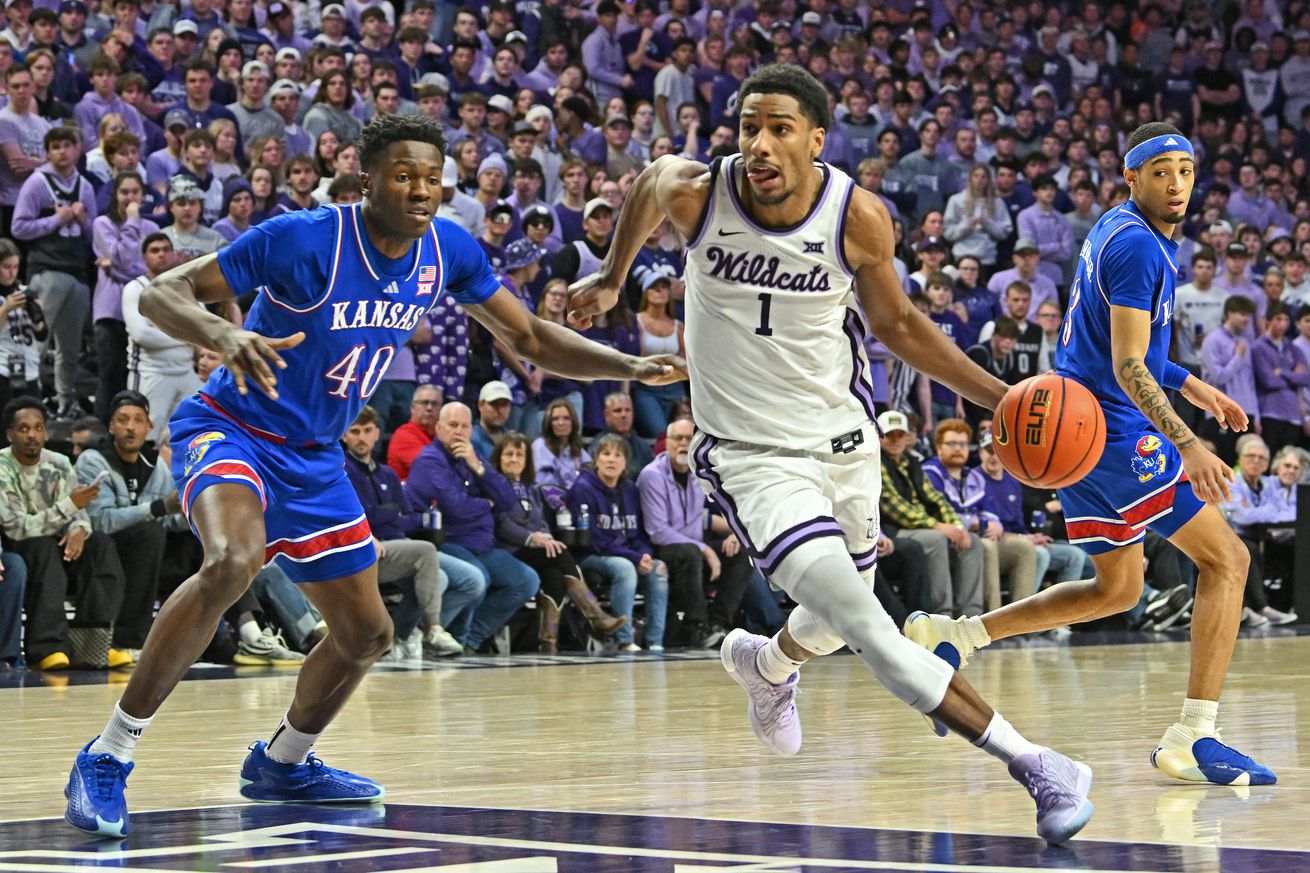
column 1154, row 472
column 783, row 252
column 256, row 455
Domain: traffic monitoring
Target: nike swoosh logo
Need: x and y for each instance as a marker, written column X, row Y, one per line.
column 1003, row 434
column 723, row 232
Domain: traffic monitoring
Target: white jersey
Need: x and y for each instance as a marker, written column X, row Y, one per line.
column 774, row 333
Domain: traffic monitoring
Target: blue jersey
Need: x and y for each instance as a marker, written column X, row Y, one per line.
column 317, row 272
column 1125, row 261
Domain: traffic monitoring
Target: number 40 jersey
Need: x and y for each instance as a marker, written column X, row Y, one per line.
column 774, row 333
column 316, row 271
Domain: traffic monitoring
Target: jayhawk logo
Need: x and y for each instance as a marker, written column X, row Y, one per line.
column 1149, row 461
column 196, row 449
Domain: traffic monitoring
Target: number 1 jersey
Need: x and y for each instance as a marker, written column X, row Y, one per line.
column 316, row 271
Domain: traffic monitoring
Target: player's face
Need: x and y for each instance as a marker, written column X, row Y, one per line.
column 403, row 189
column 779, row 145
column 1163, row 186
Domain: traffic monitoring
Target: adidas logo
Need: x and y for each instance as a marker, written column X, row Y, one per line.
column 391, row 289
column 1171, row 141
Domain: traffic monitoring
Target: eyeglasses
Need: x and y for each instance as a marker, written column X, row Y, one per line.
column 677, row 439
column 1256, row 457
column 955, row 444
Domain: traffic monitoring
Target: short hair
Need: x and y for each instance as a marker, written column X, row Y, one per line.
column 794, row 82
column 1020, row 286
column 157, row 236
column 514, row 438
column 1277, row 308
column 195, row 135
column 528, row 167
column 1045, row 180
column 1239, row 304
column 199, row 64
column 1205, row 253
column 344, row 184
column 300, row 161
column 17, row 405
column 116, row 142
column 412, row 34
column 1151, row 130
column 611, row 441
column 103, row 64
column 1301, row 313
column 89, row 423
column 1008, row 328
column 62, row 133
column 939, row 278
column 948, row 426
column 367, row 415
column 132, row 80
column 383, row 130
column 372, row 12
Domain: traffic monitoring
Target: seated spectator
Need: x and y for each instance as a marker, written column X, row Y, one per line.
column 101, row 100
column 1260, row 499
column 13, row 587
column 298, row 192
column 914, row 509
column 20, row 354
column 618, row 422
column 134, row 507
column 448, row 472
column 673, row 506
column 618, row 549
column 43, row 515
column 493, row 414
column 558, row 455
column 521, row 527
column 410, row 438
column 659, row 332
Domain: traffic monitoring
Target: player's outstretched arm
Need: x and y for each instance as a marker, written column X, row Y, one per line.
column 907, row 332
column 564, row 351
column 1205, row 396
column 1130, row 337
column 671, row 186
column 170, row 302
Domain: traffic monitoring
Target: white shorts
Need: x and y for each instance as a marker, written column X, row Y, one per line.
column 775, row 499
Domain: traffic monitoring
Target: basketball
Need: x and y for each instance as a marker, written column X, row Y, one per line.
column 1049, row 431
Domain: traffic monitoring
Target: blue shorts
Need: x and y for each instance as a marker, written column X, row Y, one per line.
column 1138, row 483
column 315, row 527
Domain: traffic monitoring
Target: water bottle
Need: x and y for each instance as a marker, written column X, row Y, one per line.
column 432, row 517
column 584, row 517
column 563, row 518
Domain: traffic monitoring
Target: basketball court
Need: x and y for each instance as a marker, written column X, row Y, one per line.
column 641, row 763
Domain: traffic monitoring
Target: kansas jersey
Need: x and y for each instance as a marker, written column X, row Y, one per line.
column 316, row 271
column 1125, row 261
column 774, row 334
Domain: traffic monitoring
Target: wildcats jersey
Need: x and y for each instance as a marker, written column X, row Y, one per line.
column 1125, row 262
column 774, row 334
column 317, row 272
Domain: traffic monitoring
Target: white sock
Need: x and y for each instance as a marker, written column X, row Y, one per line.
column 1002, row 741
column 773, row 663
column 1200, row 715
column 120, row 736
column 975, row 631
column 249, row 631
column 288, row 745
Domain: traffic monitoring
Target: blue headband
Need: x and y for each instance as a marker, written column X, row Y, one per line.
column 1166, row 142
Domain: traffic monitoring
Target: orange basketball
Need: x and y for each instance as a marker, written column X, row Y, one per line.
column 1049, row 431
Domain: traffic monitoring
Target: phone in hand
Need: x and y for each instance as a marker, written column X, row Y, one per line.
column 100, row 479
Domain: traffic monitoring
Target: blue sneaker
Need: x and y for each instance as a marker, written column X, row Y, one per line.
column 1059, row 786
column 95, row 794
column 1196, row 757
column 269, row 781
column 944, row 638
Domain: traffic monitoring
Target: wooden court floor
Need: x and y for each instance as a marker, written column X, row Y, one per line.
column 669, row 737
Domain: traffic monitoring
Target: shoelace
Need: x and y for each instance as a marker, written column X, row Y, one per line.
column 1055, row 781
column 106, row 771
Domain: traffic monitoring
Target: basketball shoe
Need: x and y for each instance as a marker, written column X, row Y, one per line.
column 944, row 638
column 270, row 781
column 95, row 794
column 772, row 708
column 1187, row 754
column 1059, row 786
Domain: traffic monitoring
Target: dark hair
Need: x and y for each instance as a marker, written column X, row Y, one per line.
column 117, row 183
column 1238, row 303
column 350, row 182
column 1151, row 130
column 26, row 401
column 367, row 415
column 201, row 65
column 573, row 442
column 1277, row 308
column 794, row 82
column 62, row 133
column 1008, row 328
column 514, row 438
column 321, row 95
column 384, row 130
column 157, row 236
column 1205, row 253
column 1045, row 180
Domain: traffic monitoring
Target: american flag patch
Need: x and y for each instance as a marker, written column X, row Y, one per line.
column 427, row 274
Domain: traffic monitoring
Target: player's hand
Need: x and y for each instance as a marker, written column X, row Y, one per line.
column 591, row 295
column 1209, row 475
column 247, row 355
column 712, row 558
column 83, row 494
column 661, row 370
column 73, row 541
column 1205, row 396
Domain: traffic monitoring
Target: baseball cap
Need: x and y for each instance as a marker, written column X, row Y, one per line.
column 891, row 421
column 1214, row 45
column 812, row 18
column 1301, row 36
column 523, row 127
column 538, row 213
column 449, row 173
column 128, row 397
column 1044, row 89
column 493, row 391
column 501, row 206
column 334, row 10
column 515, row 36
column 1221, row 226
column 1025, row 244
column 175, row 118
column 72, row 6
column 493, row 162
column 436, row 79
column 185, row 26
column 1237, row 250
column 501, row 103
column 282, row 86
column 287, row 53
column 255, row 68
column 538, row 111
column 278, row 8
column 182, row 188
column 648, row 281
column 930, row 242
column 1259, row 46
column 781, row 25
column 593, row 204
column 521, row 253
column 618, row 118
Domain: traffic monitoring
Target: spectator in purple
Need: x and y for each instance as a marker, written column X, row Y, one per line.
column 101, row 100
column 1027, row 257
column 1235, row 279
column 22, row 141
column 1280, row 372
column 980, row 304
column 1226, row 363
column 1049, row 229
column 1250, row 204
column 602, row 56
column 575, row 136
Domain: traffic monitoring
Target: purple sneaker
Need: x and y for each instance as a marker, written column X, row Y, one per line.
column 1060, row 787
column 772, row 708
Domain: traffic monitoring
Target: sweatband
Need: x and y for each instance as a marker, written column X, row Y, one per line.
column 1174, row 376
column 1165, row 142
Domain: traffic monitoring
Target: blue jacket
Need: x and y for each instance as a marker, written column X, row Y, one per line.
column 465, row 500
column 390, row 511
column 615, row 515
column 965, row 494
column 1004, row 500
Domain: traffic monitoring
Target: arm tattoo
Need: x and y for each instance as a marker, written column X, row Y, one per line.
column 1142, row 388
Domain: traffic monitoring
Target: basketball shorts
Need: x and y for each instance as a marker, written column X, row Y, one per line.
column 776, row 499
column 1138, row 484
column 315, row 528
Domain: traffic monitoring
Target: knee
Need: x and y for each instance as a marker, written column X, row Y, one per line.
column 229, row 570
column 1117, row 596
column 366, row 641
column 1226, row 562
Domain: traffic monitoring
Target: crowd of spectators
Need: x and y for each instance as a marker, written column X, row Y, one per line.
column 138, row 134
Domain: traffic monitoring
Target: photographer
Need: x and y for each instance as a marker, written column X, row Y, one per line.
column 22, row 326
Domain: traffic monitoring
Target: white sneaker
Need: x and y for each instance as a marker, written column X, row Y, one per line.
column 772, row 708
column 656, row 649
column 1253, row 619
column 1277, row 618
column 438, row 643
column 412, row 646
column 270, row 650
column 630, row 647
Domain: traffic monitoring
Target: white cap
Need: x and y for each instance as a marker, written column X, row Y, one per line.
column 501, row 103
column 287, row 52
column 891, row 421
column 255, row 68
column 281, row 86
column 538, row 111
column 593, row 204
column 493, row 391
column 449, row 173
